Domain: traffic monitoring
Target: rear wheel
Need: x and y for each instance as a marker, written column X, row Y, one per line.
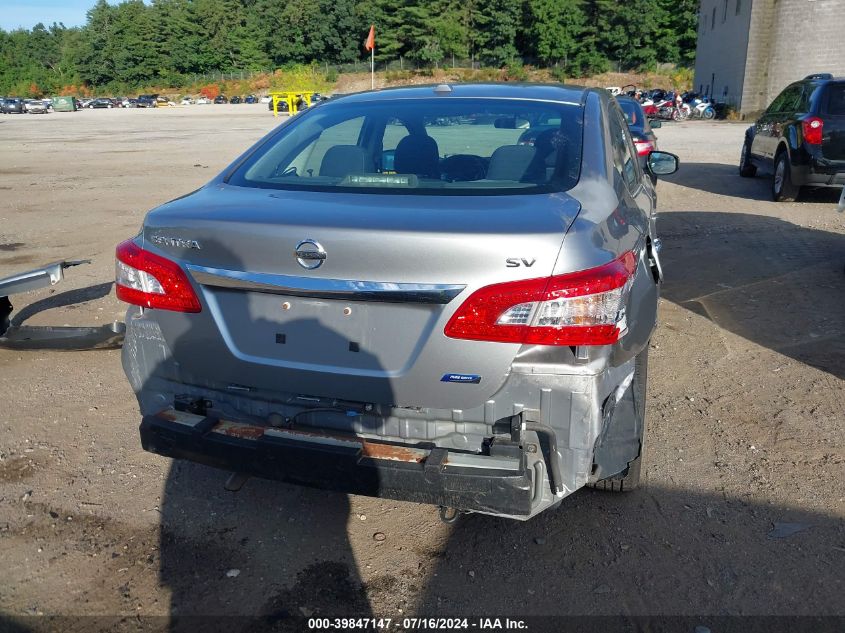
column 746, row 167
column 783, row 190
column 630, row 478
column 709, row 113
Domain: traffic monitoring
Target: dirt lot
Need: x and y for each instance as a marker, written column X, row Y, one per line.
column 745, row 412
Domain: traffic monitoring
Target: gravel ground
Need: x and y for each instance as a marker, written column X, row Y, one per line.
column 745, row 411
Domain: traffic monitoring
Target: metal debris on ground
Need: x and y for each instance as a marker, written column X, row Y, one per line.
column 783, row 530
column 22, row 337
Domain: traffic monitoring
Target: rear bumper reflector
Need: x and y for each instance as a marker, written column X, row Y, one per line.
column 345, row 463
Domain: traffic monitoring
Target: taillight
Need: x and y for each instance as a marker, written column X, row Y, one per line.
column 581, row 308
column 643, row 147
column 812, row 129
column 145, row 279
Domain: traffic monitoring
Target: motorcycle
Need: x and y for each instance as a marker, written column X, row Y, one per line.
column 673, row 109
column 703, row 108
column 649, row 109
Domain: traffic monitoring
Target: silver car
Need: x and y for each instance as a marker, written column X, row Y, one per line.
column 395, row 294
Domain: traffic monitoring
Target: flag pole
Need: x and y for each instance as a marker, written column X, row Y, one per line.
column 373, row 67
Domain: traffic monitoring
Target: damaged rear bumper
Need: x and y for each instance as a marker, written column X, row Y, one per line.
column 500, row 485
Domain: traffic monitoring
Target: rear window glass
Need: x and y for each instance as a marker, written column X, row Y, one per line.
column 425, row 146
column 631, row 111
column 836, row 99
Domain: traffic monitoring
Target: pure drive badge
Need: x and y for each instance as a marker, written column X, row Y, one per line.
column 468, row 378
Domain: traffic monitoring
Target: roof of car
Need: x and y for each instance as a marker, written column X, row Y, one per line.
column 540, row 92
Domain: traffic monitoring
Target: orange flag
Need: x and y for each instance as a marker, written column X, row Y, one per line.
column 370, row 44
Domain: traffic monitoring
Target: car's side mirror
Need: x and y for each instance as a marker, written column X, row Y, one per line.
column 655, row 124
column 662, row 163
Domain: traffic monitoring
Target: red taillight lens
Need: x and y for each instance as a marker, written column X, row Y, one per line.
column 813, row 128
column 145, row 279
column 582, row 308
column 643, row 147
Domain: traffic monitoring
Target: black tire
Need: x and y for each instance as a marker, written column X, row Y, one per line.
column 747, row 169
column 631, row 477
column 783, row 189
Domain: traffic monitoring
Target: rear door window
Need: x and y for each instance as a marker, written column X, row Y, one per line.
column 786, row 101
column 621, row 145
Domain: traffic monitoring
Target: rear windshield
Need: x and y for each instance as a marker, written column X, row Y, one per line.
column 836, row 98
column 633, row 113
column 423, row 146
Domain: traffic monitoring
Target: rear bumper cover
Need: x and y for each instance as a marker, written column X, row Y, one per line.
column 814, row 170
column 346, row 463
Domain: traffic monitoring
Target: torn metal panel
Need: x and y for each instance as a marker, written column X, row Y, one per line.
column 65, row 338
column 48, row 275
column 23, row 337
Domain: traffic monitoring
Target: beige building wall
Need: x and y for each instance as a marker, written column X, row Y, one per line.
column 720, row 57
column 768, row 45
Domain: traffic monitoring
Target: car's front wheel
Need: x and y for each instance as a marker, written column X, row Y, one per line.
column 747, row 169
column 783, row 189
column 630, row 478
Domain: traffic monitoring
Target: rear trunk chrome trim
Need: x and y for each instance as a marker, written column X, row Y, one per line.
column 345, row 289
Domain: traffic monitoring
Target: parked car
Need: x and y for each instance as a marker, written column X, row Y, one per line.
column 418, row 332
column 101, row 102
column 250, row 99
column 236, row 99
column 221, row 99
column 147, row 101
column 203, row 101
column 186, row 101
column 642, row 132
column 13, row 105
column 800, row 138
column 130, row 103
column 266, row 99
column 35, row 106
column 282, row 107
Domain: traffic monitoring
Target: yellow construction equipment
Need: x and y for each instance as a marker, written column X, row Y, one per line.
column 292, row 99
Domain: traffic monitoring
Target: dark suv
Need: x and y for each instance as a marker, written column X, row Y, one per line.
column 146, row 101
column 13, row 105
column 800, row 138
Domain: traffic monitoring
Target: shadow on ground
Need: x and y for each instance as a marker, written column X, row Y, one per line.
column 654, row 551
column 772, row 282
column 724, row 180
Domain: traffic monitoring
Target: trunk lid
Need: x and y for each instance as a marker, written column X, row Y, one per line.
column 366, row 324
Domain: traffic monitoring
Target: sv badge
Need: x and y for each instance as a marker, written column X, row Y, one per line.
column 514, row 262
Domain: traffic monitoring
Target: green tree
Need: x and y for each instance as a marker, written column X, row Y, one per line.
column 498, row 22
column 553, row 28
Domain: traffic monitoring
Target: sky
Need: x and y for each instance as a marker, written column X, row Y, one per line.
column 27, row 13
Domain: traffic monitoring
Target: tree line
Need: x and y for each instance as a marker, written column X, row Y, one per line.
column 133, row 44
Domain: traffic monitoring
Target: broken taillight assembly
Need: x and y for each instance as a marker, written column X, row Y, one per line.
column 581, row 308
column 145, row 279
